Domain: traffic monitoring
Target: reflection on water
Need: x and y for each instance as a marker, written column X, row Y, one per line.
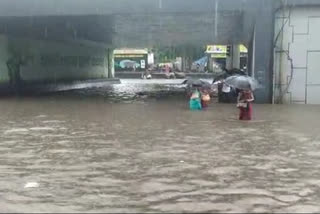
column 87, row 154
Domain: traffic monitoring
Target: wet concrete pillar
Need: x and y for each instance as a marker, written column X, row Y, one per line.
column 236, row 56
column 250, row 58
column 210, row 63
column 110, row 65
column 183, row 64
column 4, row 57
column 229, row 62
column 262, row 51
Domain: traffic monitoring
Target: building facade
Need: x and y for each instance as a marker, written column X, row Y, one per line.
column 297, row 55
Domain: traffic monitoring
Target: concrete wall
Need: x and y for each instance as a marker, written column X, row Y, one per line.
column 297, row 56
column 261, row 49
column 4, row 55
column 84, row 7
column 97, row 28
column 176, row 29
column 46, row 61
column 198, row 19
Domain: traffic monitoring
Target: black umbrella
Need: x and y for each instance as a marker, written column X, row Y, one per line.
column 195, row 82
column 227, row 73
column 242, row 82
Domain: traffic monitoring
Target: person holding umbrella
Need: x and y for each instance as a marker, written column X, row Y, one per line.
column 245, row 99
column 246, row 85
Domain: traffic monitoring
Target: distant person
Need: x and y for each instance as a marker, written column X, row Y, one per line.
column 147, row 74
column 245, row 68
column 169, row 73
column 245, row 99
column 198, row 68
column 14, row 67
column 167, row 69
column 195, row 100
column 224, row 91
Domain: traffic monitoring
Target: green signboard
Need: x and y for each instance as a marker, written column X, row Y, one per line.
column 130, row 62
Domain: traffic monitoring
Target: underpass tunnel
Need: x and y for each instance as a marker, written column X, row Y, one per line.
column 228, row 23
column 55, row 49
column 69, row 45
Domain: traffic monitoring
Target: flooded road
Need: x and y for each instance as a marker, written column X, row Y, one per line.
column 94, row 151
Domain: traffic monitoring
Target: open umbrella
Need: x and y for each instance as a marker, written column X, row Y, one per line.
column 192, row 84
column 196, row 83
column 242, row 82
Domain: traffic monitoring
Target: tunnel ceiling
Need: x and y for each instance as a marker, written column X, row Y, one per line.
column 133, row 23
column 175, row 29
column 131, row 30
column 98, row 7
column 97, row 28
column 94, row 7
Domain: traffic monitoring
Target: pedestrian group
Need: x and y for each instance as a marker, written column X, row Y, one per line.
column 200, row 99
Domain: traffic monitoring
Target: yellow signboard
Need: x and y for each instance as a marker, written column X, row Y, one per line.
column 129, row 56
column 219, row 55
column 243, row 49
column 130, row 51
column 213, row 49
column 216, row 49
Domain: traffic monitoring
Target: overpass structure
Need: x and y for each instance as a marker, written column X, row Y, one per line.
column 66, row 40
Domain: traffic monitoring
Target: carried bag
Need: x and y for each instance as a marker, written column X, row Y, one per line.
column 242, row 105
column 206, row 97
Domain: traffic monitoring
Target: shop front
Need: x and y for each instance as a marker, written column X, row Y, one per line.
column 130, row 60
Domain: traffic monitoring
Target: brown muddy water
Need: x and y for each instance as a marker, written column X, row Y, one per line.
column 123, row 150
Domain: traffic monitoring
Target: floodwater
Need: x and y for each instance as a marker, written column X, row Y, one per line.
column 91, row 151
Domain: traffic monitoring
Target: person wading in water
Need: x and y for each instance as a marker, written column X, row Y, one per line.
column 245, row 99
column 13, row 65
column 195, row 100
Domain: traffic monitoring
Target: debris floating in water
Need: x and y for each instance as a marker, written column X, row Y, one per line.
column 31, row 185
